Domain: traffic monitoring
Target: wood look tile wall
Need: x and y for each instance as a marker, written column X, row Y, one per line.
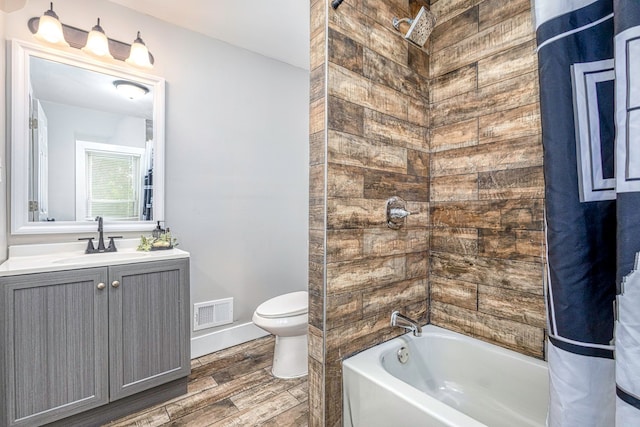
column 317, row 208
column 456, row 134
column 486, row 182
column 369, row 142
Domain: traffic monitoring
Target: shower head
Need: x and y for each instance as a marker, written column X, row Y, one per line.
column 420, row 27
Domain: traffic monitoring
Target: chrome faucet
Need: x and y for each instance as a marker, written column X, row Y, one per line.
column 402, row 321
column 100, row 249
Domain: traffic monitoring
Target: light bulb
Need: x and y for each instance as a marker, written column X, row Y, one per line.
column 97, row 42
column 139, row 54
column 50, row 29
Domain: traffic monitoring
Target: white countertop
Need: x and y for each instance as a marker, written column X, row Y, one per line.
column 25, row 259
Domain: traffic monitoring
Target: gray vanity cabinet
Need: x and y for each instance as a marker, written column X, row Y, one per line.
column 79, row 339
column 55, row 338
column 148, row 325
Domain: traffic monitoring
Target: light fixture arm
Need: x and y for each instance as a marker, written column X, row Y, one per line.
column 51, row 12
column 97, row 27
column 139, row 39
column 77, row 38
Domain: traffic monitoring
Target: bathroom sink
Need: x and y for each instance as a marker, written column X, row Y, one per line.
column 105, row 257
column 24, row 259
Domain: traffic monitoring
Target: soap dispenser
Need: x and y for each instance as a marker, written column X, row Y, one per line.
column 158, row 231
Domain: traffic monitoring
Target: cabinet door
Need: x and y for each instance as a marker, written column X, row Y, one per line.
column 148, row 325
column 55, row 342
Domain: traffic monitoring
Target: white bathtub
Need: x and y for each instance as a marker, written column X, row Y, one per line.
column 449, row 380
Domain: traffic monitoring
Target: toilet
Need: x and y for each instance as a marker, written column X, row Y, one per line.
column 286, row 316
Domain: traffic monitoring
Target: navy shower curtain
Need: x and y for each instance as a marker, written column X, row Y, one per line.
column 589, row 69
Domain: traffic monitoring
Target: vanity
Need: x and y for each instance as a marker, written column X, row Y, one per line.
column 89, row 338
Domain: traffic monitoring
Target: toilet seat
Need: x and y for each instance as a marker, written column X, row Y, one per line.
column 287, row 305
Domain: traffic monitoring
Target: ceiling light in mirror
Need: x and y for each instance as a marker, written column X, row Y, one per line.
column 130, row 90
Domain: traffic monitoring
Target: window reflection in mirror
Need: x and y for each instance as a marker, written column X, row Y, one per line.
column 91, row 148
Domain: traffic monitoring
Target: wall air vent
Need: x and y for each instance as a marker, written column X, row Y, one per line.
column 212, row 313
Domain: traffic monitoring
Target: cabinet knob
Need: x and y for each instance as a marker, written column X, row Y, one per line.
column 101, row 286
column 115, row 283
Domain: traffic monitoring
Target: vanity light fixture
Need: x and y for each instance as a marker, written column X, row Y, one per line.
column 97, row 42
column 50, row 29
column 130, row 90
column 139, row 55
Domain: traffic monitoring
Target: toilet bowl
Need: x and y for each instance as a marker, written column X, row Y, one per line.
column 286, row 317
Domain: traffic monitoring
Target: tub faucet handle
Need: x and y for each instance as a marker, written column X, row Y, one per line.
column 396, row 212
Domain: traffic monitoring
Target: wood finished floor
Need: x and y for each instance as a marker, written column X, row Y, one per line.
column 232, row 387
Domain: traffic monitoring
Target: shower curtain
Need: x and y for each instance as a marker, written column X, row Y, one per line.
column 589, row 70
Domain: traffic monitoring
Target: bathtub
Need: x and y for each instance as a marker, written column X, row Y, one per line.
column 448, row 380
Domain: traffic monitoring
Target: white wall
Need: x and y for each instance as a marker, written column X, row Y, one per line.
column 236, row 156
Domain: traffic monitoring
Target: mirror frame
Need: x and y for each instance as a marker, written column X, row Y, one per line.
column 20, row 52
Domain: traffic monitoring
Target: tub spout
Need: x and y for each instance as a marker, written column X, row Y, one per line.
column 402, row 321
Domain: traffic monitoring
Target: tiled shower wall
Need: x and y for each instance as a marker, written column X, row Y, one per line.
column 369, row 141
column 487, row 188
column 379, row 107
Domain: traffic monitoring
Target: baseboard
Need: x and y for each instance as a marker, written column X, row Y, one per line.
column 225, row 338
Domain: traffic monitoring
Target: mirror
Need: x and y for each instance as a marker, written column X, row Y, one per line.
column 87, row 140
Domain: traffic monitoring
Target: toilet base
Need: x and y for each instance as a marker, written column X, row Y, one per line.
column 290, row 357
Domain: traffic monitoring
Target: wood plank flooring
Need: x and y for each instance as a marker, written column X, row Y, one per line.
column 232, row 387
